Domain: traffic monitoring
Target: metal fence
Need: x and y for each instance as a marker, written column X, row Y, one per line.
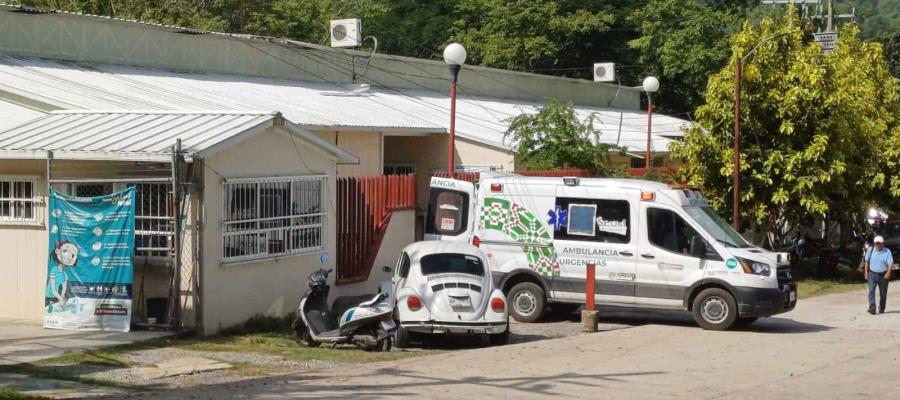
column 154, row 219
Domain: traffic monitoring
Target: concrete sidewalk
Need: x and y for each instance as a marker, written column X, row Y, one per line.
column 27, row 341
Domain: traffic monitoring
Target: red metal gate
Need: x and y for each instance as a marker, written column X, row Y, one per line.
column 364, row 209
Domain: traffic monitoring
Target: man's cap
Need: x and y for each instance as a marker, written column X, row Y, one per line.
column 879, row 239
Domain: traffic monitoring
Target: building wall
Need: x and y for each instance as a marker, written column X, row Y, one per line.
column 473, row 154
column 23, row 264
column 399, row 235
column 367, row 146
column 232, row 293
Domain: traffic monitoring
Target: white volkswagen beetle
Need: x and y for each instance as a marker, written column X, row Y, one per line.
column 446, row 288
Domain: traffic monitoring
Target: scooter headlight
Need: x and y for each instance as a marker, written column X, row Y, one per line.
column 755, row 267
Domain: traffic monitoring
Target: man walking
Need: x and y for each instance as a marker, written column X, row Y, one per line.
column 878, row 273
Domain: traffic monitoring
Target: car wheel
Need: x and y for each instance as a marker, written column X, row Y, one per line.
column 742, row 322
column 500, row 339
column 401, row 336
column 714, row 309
column 526, row 301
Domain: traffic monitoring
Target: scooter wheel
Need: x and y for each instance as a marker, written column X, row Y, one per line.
column 384, row 344
column 304, row 339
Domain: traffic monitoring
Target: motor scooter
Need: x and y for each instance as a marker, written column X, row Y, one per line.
column 369, row 324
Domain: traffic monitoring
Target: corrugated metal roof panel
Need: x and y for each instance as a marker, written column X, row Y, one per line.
column 69, row 85
column 14, row 114
column 139, row 135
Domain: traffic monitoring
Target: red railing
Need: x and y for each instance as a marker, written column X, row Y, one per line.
column 364, row 208
column 579, row 172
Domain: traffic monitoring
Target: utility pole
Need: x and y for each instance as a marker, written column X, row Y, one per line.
column 830, row 23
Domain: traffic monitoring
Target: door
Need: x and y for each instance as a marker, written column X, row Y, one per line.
column 589, row 229
column 665, row 266
column 451, row 210
column 401, row 272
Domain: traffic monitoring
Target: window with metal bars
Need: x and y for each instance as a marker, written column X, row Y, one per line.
column 18, row 199
column 271, row 217
column 154, row 219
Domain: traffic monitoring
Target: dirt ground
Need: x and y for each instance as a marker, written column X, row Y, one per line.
column 827, row 348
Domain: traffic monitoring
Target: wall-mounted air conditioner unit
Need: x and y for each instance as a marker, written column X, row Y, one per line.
column 346, row 32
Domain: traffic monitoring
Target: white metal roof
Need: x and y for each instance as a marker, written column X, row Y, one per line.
column 56, row 84
column 13, row 114
column 143, row 135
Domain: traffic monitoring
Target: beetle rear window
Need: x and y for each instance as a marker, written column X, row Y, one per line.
column 449, row 263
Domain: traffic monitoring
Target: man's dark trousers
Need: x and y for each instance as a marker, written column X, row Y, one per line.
column 877, row 279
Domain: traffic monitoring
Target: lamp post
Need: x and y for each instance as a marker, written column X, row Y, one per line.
column 736, row 174
column 455, row 57
column 651, row 85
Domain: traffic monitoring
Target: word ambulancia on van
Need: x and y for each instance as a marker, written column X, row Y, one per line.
column 654, row 246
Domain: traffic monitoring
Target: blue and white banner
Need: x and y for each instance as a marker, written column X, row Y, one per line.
column 90, row 270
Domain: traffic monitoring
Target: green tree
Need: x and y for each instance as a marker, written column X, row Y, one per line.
column 554, row 137
column 531, row 34
column 819, row 131
column 682, row 42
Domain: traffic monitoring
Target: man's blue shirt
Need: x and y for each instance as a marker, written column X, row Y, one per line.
column 879, row 261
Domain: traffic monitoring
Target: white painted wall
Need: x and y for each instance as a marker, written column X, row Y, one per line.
column 23, row 253
column 232, row 293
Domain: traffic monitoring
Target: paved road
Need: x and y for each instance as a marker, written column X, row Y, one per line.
column 827, row 348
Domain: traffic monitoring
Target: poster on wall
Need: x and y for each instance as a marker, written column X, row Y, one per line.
column 90, row 270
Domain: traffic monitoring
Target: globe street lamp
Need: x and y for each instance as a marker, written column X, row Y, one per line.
column 651, row 85
column 455, row 57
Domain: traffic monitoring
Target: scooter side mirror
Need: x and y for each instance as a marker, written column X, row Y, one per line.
column 387, row 269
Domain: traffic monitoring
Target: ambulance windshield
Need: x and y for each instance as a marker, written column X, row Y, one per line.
column 716, row 227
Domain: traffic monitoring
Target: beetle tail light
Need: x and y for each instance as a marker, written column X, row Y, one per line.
column 497, row 304
column 476, row 241
column 414, row 303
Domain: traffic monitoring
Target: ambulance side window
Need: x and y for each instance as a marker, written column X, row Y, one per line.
column 595, row 220
column 669, row 231
column 448, row 212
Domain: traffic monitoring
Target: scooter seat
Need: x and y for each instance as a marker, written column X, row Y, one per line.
column 377, row 299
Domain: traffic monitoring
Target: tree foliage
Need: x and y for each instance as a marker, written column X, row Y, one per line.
column 819, row 131
column 554, row 137
column 682, row 42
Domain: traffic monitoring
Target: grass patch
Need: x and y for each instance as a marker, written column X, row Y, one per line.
column 817, row 287
column 256, row 370
column 283, row 345
column 811, row 282
column 7, row 393
column 114, row 358
column 264, row 335
column 60, row 374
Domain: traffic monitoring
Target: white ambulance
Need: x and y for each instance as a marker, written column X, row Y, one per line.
column 653, row 246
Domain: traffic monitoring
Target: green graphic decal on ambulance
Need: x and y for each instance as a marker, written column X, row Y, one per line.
column 522, row 226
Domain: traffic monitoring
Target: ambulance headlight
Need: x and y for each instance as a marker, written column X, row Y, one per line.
column 755, row 267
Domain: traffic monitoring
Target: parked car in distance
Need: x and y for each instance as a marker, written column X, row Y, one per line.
column 445, row 288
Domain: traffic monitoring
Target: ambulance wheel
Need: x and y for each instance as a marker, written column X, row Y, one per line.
column 526, row 301
column 714, row 309
column 401, row 337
